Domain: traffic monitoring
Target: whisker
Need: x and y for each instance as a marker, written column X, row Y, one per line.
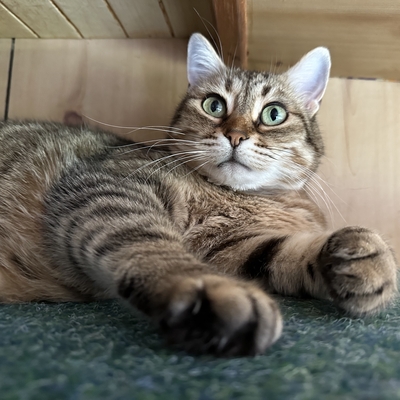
column 131, row 127
column 148, row 148
column 144, row 128
column 203, row 20
column 166, row 140
column 311, row 175
column 173, row 161
column 152, row 163
column 198, row 167
column 195, row 158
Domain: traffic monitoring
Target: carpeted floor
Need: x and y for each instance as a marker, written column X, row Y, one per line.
column 101, row 351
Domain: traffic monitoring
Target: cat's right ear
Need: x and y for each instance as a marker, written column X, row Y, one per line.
column 202, row 60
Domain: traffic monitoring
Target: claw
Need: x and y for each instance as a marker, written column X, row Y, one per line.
column 196, row 307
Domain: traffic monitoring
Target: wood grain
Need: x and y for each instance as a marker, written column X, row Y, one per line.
column 231, row 20
column 93, row 19
column 141, row 18
column 121, row 82
column 12, row 27
column 5, row 47
column 43, row 18
column 190, row 16
column 360, row 121
column 363, row 36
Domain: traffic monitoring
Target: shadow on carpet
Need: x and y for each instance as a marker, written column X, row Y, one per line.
column 101, row 351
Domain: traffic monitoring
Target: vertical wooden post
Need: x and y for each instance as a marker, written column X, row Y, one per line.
column 231, row 20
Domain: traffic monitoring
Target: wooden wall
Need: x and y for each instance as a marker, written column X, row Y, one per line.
column 362, row 35
column 138, row 82
column 115, row 81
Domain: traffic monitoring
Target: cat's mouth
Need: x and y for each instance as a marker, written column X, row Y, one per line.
column 232, row 162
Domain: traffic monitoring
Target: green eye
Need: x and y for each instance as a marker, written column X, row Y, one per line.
column 273, row 115
column 214, row 106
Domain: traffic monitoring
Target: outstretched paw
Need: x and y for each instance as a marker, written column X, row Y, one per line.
column 359, row 269
column 219, row 315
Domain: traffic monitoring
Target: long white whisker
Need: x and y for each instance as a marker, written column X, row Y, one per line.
column 131, row 127
column 148, row 148
column 166, row 140
column 195, row 158
column 195, row 169
column 311, row 175
column 152, row 163
column 203, row 20
column 184, row 160
column 174, row 161
column 145, row 128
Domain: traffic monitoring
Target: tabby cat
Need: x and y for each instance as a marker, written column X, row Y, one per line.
column 197, row 233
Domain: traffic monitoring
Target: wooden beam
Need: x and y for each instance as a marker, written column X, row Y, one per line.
column 5, row 51
column 231, row 20
column 43, row 18
column 12, row 27
column 362, row 35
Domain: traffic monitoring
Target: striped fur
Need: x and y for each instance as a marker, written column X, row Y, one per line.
column 84, row 217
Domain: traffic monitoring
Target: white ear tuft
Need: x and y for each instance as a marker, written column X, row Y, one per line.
column 202, row 59
column 310, row 75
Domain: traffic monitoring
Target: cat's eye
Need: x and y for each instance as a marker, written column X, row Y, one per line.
column 214, row 106
column 273, row 115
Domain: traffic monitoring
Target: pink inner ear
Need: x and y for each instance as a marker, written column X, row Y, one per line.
column 309, row 77
column 202, row 59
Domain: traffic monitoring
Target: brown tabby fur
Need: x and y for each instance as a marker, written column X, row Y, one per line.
column 83, row 217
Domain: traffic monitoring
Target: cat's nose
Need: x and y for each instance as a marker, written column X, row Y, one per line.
column 235, row 137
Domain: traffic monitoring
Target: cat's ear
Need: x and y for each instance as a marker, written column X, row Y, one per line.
column 309, row 77
column 202, row 59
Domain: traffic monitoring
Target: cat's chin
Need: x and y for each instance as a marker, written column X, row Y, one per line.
column 242, row 178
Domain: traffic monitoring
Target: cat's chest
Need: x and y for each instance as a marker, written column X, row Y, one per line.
column 215, row 213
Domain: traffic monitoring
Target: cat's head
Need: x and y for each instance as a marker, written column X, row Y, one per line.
column 251, row 130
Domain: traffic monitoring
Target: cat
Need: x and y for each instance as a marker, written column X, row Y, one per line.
column 199, row 232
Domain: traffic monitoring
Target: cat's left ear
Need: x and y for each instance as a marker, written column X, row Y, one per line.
column 309, row 77
column 202, row 60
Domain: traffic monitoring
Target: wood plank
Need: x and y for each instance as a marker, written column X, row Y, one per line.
column 121, row 82
column 93, row 19
column 231, row 20
column 12, row 27
column 141, row 18
column 186, row 17
column 361, row 35
column 5, row 47
column 43, row 18
column 360, row 121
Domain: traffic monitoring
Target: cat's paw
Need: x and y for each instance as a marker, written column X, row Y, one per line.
column 359, row 269
column 219, row 315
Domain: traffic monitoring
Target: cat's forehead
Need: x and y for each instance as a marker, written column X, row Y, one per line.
column 254, row 83
column 247, row 87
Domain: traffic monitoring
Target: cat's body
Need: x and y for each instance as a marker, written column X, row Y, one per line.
column 85, row 215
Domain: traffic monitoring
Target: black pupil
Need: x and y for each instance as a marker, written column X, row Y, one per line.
column 273, row 114
column 215, row 106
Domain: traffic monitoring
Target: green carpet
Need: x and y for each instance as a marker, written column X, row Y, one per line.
column 101, row 351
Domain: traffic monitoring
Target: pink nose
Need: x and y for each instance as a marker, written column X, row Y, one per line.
column 235, row 137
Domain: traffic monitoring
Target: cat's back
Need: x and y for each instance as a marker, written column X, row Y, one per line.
column 33, row 157
column 43, row 143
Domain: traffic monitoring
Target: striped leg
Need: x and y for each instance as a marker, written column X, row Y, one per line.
column 353, row 266
column 197, row 309
column 134, row 251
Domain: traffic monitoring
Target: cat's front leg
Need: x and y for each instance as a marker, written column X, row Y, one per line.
column 353, row 266
column 359, row 269
column 196, row 309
